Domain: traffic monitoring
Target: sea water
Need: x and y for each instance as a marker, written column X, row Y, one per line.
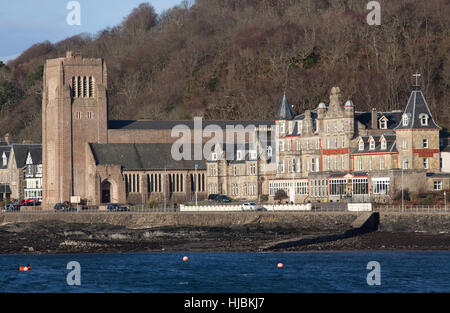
column 398, row 271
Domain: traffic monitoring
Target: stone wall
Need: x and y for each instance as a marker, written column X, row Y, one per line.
column 310, row 220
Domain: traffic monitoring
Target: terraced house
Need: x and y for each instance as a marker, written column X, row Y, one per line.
column 336, row 153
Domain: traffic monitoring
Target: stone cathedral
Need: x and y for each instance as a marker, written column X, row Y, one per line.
column 330, row 153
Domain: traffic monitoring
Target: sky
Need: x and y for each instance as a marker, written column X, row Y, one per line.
column 26, row 22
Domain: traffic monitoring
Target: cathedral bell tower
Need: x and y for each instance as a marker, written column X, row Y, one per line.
column 74, row 113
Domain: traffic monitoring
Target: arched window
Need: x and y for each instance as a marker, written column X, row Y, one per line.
column 91, row 86
column 79, row 86
column 423, row 119
column 405, row 120
column 361, row 145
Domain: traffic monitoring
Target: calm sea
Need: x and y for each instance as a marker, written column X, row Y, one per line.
column 399, row 271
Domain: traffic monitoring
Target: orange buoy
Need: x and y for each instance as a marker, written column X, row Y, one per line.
column 185, row 259
column 25, row 268
column 280, row 265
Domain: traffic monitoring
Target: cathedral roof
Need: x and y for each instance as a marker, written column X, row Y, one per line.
column 154, row 156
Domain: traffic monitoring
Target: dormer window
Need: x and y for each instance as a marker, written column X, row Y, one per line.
column 239, row 155
column 269, row 151
column 4, row 159
column 383, row 144
column 214, row 156
column 383, row 122
column 423, row 119
column 361, row 145
column 253, row 155
column 300, row 127
column 372, row 144
column 405, row 120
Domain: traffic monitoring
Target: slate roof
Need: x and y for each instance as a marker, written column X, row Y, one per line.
column 365, row 118
column 391, row 144
column 285, row 111
column 21, row 153
column 133, row 125
column 7, row 151
column 300, row 118
column 416, row 106
column 155, row 156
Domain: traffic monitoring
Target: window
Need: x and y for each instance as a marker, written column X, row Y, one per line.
column 281, row 145
column 405, row 120
column 89, row 115
column 343, row 142
column 370, row 163
column 360, row 186
column 300, row 127
column 337, row 187
column 301, row 188
column 335, row 142
column 335, row 127
column 297, row 145
column 328, row 144
column 405, row 164
column 437, row 185
column 423, row 119
column 343, row 163
column 290, row 127
column 404, row 144
column 252, row 169
column 313, row 165
column 281, row 166
column 382, row 163
column 317, row 144
column 282, row 127
column 328, row 128
column 269, row 151
column 298, row 164
column 361, row 145
column 239, row 155
column 372, row 144
column 425, row 163
column 383, row 123
column 288, row 145
column 425, row 143
column 383, row 144
column 78, row 115
column 359, row 164
column 91, row 86
column 214, row 156
column 5, row 159
column 253, row 155
column 85, row 94
column 381, row 186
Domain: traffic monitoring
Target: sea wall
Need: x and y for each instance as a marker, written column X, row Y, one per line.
column 303, row 221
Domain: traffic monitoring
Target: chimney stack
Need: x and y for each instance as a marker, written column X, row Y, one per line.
column 374, row 118
column 8, row 138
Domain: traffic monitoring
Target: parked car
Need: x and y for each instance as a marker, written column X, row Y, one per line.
column 64, row 207
column 114, row 207
column 252, row 206
column 213, row 197
column 223, row 198
column 32, row 202
column 12, row 207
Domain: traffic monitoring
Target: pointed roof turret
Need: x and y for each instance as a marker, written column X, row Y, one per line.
column 285, row 111
column 417, row 114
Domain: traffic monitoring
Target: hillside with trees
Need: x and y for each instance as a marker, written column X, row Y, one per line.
column 232, row 59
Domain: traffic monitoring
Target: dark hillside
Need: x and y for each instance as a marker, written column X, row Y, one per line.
column 232, row 59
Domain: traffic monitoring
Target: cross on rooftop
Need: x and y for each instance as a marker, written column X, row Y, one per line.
column 417, row 75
